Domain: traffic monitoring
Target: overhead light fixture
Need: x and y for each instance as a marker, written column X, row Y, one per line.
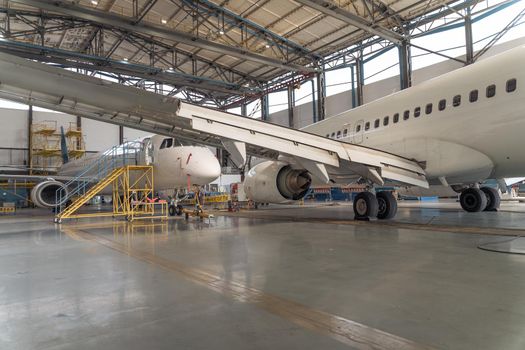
column 125, row 59
column 94, row 2
column 163, row 21
column 221, row 32
column 267, row 46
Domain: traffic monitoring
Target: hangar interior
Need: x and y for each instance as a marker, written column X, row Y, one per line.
column 302, row 275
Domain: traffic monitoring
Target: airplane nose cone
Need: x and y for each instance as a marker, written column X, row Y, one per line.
column 209, row 172
column 204, row 168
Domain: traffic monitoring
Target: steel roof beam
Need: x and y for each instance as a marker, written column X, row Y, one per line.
column 331, row 10
column 144, row 11
column 78, row 22
column 241, row 19
column 95, row 63
column 124, row 23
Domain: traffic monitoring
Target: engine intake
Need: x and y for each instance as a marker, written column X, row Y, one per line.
column 43, row 195
column 276, row 182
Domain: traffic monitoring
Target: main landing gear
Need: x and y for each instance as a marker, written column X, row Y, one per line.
column 479, row 199
column 383, row 205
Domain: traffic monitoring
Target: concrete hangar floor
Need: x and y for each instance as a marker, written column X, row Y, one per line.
column 277, row 278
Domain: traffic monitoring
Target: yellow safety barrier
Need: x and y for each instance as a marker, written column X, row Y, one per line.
column 7, row 210
column 148, row 210
column 222, row 198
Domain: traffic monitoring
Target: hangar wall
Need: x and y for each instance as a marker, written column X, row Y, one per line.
column 341, row 102
column 100, row 136
column 14, row 143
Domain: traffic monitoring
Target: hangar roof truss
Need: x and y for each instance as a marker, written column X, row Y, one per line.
column 214, row 52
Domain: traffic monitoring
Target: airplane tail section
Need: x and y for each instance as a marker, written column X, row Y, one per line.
column 63, row 146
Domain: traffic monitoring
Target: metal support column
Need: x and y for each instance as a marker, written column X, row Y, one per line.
column 79, row 127
column 29, row 138
column 244, row 110
column 352, row 72
column 321, row 96
column 121, row 134
column 359, row 80
column 314, row 105
column 405, row 66
column 291, row 105
column 265, row 107
column 469, row 43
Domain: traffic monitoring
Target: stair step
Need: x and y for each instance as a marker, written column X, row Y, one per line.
column 106, row 181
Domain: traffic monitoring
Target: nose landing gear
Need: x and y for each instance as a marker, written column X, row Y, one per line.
column 175, row 209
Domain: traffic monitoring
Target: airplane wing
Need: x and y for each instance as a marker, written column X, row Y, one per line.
column 49, row 87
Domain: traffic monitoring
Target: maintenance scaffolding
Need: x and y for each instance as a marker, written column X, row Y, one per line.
column 45, row 146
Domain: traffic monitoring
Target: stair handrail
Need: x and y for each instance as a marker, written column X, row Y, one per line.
column 111, row 159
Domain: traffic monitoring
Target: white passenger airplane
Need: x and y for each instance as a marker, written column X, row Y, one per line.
column 465, row 127
column 453, row 131
column 174, row 166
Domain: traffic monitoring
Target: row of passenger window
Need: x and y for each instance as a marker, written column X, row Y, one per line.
column 490, row 91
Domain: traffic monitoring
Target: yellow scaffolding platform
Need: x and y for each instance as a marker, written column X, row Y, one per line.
column 132, row 187
column 46, row 149
column 75, row 141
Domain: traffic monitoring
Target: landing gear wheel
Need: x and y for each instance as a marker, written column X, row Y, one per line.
column 473, row 200
column 387, row 205
column 175, row 210
column 365, row 206
column 493, row 198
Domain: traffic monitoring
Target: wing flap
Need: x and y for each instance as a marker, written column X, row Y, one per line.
column 265, row 140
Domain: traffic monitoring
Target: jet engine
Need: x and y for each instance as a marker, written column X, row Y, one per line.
column 276, row 182
column 43, row 195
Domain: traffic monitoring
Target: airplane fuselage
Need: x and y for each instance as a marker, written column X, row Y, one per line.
column 465, row 126
column 174, row 166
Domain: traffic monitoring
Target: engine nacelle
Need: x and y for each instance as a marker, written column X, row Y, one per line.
column 276, row 182
column 43, row 195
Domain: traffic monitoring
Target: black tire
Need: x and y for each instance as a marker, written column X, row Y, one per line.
column 387, row 205
column 473, row 200
column 365, row 205
column 493, row 198
column 175, row 210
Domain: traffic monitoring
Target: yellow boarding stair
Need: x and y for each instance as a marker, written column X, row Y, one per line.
column 92, row 192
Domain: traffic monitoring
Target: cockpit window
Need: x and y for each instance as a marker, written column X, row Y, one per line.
column 166, row 143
